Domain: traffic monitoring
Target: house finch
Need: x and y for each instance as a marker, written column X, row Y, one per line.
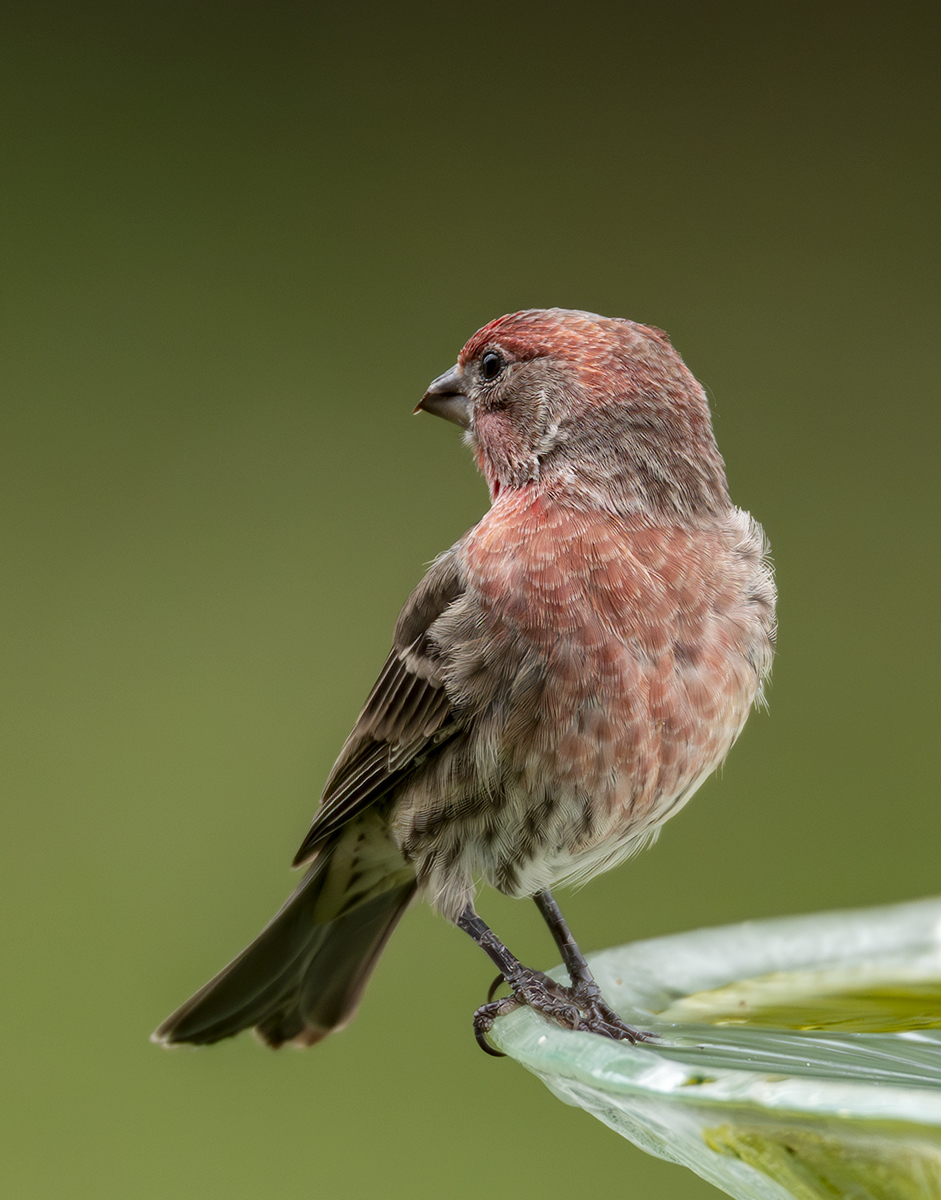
column 561, row 681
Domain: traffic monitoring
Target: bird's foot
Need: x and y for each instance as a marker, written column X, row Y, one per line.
column 580, row 1007
column 600, row 1017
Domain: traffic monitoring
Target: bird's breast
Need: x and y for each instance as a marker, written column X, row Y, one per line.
column 621, row 661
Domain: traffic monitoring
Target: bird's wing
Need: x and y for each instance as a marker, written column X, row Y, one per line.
column 407, row 716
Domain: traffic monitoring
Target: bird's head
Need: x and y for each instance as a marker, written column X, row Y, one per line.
column 601, row 408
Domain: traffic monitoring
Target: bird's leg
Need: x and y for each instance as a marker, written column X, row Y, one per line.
column 529, row 987
column 566, row 1006
column 584, row 991
column 578, row 969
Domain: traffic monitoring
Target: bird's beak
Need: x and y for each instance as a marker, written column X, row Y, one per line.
column 445, row 398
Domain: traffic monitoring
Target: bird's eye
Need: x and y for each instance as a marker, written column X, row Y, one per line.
column 491, row 364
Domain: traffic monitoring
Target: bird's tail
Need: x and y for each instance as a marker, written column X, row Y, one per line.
column 304, row 975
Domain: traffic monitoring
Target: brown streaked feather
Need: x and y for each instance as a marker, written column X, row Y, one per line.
column 407, row 715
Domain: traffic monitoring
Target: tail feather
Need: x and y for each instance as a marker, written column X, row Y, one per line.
column 304, row 975
column 330, row 989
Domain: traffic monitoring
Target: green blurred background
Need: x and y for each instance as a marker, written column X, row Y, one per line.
column 237, row 242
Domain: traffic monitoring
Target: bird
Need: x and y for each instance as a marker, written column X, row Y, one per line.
column 560, row 683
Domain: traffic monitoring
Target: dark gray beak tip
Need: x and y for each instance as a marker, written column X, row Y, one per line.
column 446, row 399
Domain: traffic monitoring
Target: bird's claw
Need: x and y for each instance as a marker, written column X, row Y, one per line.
column 493, row 987
column 580, row 1007
column 600, row 1017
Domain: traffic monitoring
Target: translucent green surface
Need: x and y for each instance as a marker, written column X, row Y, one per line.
column 820, row 1000
column 889, row 1163
column 795, row 1057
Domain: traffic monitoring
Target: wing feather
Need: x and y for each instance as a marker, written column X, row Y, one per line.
column 407, row 716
